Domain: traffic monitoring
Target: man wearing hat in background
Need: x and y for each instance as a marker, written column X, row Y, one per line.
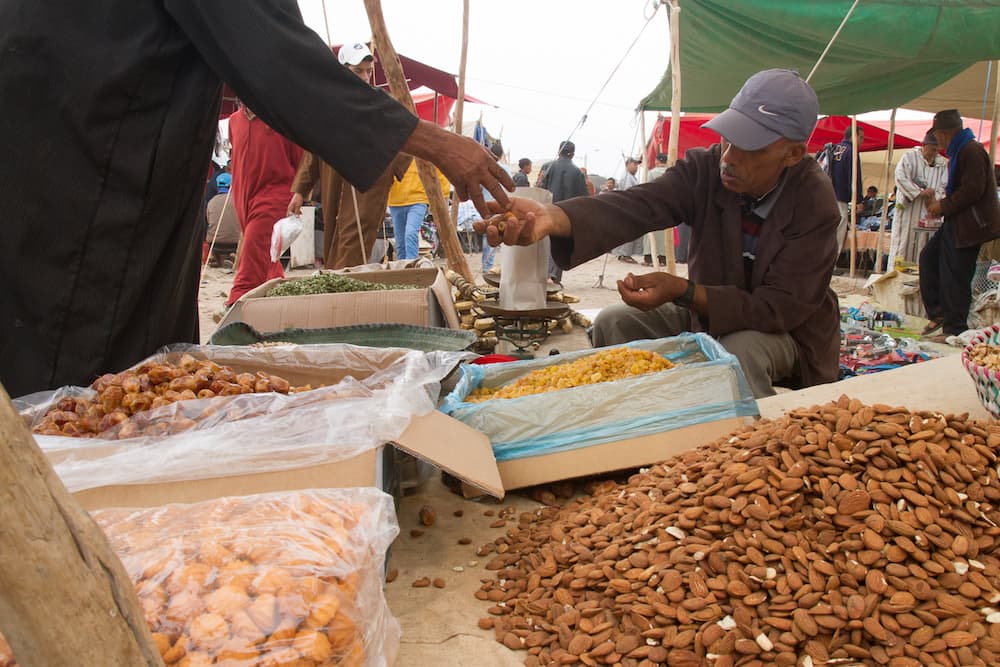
column 971, row 217
column 763, row 222
column 351, row 219
column 920, row 177
column 223, row 226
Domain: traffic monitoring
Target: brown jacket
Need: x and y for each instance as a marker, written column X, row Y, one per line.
column 341, row 246
column 790, row 285
column 972, row 206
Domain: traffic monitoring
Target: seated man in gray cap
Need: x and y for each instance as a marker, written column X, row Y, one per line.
column 763, row 221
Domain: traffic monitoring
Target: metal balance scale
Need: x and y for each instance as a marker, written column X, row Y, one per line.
column 525, row 330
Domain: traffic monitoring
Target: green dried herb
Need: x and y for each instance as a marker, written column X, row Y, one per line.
column 329, row 283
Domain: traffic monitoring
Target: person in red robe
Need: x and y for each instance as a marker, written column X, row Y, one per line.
column 263, row 167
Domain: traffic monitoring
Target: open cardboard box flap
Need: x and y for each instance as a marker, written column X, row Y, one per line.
column 454, row 447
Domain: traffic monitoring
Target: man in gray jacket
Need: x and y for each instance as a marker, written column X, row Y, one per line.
column 763, row 219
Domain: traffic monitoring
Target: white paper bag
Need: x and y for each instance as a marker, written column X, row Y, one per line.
column 524, row 270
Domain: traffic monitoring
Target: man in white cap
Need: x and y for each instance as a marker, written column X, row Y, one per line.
column 763, row 219
column 351, row 219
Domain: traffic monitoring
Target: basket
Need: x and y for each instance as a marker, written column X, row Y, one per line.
column 987, row 379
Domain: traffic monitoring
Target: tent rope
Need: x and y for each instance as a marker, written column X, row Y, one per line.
column 832, row 40
column 583, row 119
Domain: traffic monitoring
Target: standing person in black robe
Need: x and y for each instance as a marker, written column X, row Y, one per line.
column 564, row 180
column 118, row 102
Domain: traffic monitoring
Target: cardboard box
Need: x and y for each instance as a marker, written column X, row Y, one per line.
column 605, row 427
column 436, row 438
column 474, row 465
column 430, row 304
column 463, row 452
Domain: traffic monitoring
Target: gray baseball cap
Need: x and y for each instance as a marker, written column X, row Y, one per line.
column 772, row 104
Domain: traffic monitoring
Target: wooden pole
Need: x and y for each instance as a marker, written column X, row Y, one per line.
column 852, row 227
column 885, row 198
column 428, row 173
column 675, row 107
column 65, row 598
column 460, row 102
column 644, row 176
column 996, row 116
column 326, row 22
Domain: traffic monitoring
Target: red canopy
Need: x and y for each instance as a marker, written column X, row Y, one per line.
column 417, row 75
column 830, row 129
column 690, row 135
column 916, row 129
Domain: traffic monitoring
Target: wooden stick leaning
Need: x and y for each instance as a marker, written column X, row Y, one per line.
column 852, row 219
column 428, row 174
column 885, row 200
column 996, row 116
column 643, row 178
column 675, row 108
column 460, row 102
column 65, row 598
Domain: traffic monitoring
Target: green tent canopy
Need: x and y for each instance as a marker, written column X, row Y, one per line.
column 889, row 51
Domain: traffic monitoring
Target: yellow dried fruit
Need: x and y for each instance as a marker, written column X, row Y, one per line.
column 605, row 366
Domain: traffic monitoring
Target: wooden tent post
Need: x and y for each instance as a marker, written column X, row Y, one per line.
column 885, row 199
column 460, row 102
column 428, row 173
column 66, row 599
column 675, row 108
column 996, row 117
column 644, row 176
column 852, row 227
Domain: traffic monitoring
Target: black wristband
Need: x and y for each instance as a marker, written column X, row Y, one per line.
column 686, row 300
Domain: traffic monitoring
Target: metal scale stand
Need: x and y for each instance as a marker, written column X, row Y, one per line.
column 526, row 330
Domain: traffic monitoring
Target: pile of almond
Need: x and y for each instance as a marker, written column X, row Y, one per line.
column 840, row 534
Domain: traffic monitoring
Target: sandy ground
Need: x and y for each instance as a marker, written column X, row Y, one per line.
column 593, row 282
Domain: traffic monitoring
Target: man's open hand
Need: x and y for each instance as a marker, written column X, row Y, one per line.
column 651, row 290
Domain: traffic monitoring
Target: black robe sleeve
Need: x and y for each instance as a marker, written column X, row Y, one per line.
column 285, row 73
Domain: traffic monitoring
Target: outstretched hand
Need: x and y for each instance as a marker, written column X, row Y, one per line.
column 524, row 222
column 466, row 164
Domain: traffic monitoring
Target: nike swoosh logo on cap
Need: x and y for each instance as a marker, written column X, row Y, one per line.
column 763, row 110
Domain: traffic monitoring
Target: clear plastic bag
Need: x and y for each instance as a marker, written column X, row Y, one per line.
column 283, row 235
column 269, row 579
column 707, row 384
column 373, row 395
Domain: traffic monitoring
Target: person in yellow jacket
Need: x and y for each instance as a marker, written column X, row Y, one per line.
column 408, row 206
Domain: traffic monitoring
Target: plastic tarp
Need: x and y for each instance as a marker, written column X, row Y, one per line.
column 370, row 398
column 706, row 385
column 888, row 53
column 966, row 92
